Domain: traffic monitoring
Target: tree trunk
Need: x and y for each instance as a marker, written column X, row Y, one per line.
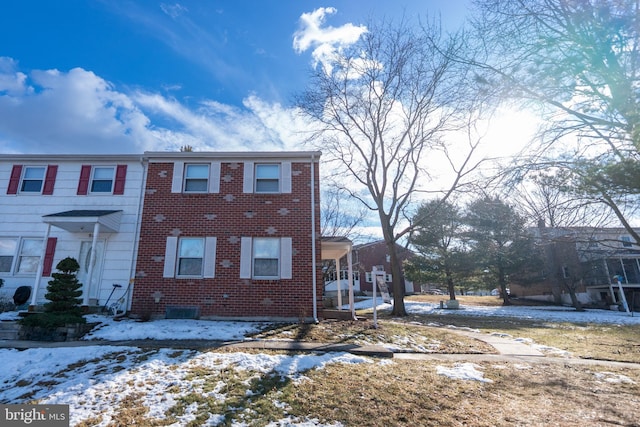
column 450, row 288
column 503, row 287
column 397, row 282
column 575, row 302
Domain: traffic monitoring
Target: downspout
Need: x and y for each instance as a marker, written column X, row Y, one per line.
column 136, row 241
column 313, row 239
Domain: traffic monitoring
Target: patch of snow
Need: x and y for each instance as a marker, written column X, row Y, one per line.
column 463, row 371
column 611, row 377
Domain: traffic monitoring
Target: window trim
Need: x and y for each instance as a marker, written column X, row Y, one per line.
column 171, row 260
column 13, row 255
column 257, row 179
column 23, row 179
column 285, row 263
column 185, row 178
column 93, row 180
column 179, row 257
column 19, row 256
column 254, row 258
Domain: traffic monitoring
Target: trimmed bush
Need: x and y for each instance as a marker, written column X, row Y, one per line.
column 63, row 293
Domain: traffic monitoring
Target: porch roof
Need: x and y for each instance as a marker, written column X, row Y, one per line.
column 335, row 247
column 84, row 220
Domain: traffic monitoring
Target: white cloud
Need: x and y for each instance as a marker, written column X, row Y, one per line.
column 173, row 10
column 325, row 41
column 48, row 111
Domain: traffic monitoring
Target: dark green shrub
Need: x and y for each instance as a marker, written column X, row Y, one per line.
column 63, row 293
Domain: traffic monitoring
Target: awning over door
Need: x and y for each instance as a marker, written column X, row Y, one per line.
column 84, row 220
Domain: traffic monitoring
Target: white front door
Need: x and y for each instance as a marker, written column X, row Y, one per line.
column 84, row 260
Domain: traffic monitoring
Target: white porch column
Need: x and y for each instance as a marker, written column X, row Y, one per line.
column 350, row 281
column 338, row 284
column 36, row 284
column 92, row 258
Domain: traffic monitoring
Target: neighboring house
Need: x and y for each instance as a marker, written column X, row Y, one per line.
column 57, row 206
column 592, row 260
column 230, row 235
column 368, row 255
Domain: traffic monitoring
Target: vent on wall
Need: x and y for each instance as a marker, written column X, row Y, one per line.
column 175, row 312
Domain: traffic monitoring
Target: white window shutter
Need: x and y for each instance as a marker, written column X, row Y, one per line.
column 214, row 177
column 176, row 182
column 247, row 184
column 170, row 252
column 209, row 257
column 246, row 256
column 285, row 172
column 286, row 254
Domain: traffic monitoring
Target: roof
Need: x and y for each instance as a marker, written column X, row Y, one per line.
column 85, row 220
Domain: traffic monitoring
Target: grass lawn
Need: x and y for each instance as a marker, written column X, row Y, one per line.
column 386, row 392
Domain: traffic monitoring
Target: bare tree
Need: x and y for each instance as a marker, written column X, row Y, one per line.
column 338, row 215
column 382, row 109
column 578, row 63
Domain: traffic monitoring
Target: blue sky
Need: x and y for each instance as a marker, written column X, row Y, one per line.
column 124, row 76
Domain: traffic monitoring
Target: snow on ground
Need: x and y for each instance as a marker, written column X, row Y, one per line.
column 95, row 379
column 540, row 313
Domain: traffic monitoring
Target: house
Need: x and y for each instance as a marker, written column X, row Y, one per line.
column 365, row 257
column 210, row 235
column 229, row 235
column 81, row 206
column 601, row 264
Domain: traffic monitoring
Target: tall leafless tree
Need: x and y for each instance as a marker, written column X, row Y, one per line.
column 578, row 63
column 382, row 108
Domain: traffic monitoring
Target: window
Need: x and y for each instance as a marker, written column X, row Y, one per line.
column 196, row 178
column 29, row 256
column 266, row 257
column 7, row 252
column 190, row 256
column 102, row 180
column 626, row 241
column 368, row 277
column 32, row 179
column 268, row 178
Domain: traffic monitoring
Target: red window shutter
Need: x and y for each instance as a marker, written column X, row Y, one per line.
column 121, row 175
column 14, row 181
column 50, row 180
column 83, row 184
column 48, row 256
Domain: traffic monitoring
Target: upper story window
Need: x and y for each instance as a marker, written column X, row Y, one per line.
column 102, row 179
column 267, row 178
column 626, row 241
column 32, row 179
column 196, row 178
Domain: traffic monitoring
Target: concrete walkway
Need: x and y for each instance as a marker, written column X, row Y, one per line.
column 508, row 350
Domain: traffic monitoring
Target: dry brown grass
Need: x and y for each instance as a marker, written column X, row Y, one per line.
column 411, row 393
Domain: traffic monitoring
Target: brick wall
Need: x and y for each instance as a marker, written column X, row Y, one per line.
column 228, row 216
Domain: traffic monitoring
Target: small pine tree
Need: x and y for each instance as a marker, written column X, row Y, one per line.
column 63, row 293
